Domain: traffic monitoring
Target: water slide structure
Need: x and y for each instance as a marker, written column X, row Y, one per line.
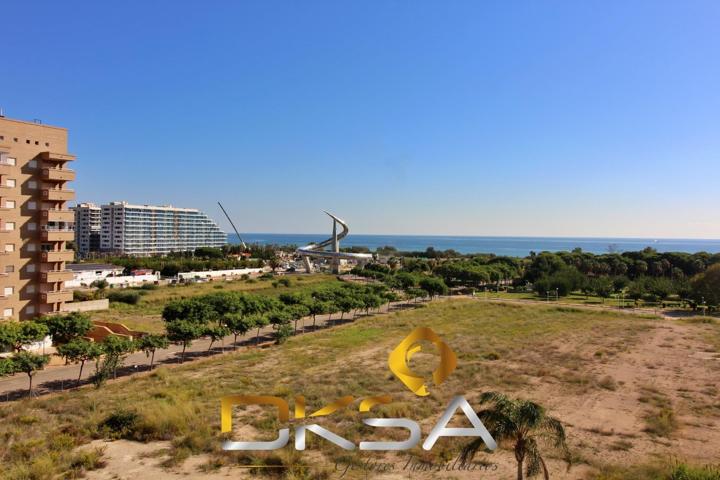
column 317, row 250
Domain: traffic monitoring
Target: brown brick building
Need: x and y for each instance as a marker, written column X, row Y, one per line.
column 35, row 223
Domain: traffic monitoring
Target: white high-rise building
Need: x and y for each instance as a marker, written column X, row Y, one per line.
column 145, row 230
column 88, row 225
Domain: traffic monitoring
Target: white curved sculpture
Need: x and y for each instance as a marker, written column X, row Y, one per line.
column 318, row 249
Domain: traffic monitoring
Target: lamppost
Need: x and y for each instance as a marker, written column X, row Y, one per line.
column 557, row 294
column 704, row 307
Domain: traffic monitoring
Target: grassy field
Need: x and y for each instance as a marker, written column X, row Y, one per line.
column 579, row 299
column 552, row 354
column 145, row 315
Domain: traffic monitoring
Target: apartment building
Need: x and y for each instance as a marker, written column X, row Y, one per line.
column 88, row 225
column 145, row 230
column 35, row 224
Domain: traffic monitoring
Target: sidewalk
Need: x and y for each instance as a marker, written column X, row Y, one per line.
column 63, row 377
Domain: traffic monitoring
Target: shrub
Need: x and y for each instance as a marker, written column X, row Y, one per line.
column 120, row 424
column 82, row 295
column 126, row 296
column 148, row 286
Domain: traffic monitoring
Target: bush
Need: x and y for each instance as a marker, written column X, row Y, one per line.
column 127, row 296
column 82, row 296
column 120, row 424
column 148, row 286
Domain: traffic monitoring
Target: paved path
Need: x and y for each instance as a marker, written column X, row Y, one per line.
column 63, row 377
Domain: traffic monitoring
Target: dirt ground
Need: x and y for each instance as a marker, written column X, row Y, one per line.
column 658, row 399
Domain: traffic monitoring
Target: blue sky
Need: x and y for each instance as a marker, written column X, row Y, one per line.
column 470, row 118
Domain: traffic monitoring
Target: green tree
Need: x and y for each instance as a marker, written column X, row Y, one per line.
column 30, row 363
column 603, row 287
column 239, row 324
column 195, row 309
column 183, row 332
column 433, row 286
column 258, row 320
column 215, row 333
column 7, row 367
column 522, row 424
column 298, row 312
column 706, row 286
column 116, row 348
column 150, row 344
column 80, row 351
column 64, row 328
column 17, row 334
column 318, row 307
column 280, row 319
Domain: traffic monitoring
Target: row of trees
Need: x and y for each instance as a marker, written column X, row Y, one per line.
column 647, row 262
column 68, row 333
column 214, row 316
column 221, row 314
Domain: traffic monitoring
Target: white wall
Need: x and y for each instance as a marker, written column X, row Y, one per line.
column 123, row 281
column 219, row 273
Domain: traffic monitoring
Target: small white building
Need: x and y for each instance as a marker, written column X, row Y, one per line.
column 219, row 274
column 86, row 273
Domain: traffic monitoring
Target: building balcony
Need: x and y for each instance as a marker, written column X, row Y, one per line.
column 52, row 235
column 57, row 296
column 58, row 174
column 58, row 216
column 57, row 157
column 58, row 256
column 58, row 195
column 53, row 276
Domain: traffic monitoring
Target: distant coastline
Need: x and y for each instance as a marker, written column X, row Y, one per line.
column 510, row 246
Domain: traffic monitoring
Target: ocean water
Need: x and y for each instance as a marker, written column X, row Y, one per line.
column 510, row 246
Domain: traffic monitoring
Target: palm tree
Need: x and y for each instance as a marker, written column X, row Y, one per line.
column 523, row 424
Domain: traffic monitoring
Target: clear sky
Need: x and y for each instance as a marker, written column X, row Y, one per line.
column 563, row 118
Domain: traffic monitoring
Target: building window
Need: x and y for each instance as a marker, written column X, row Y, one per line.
column 30, row 289
column 9, row 268
column 32, row 226
column 32, row 205
column 31, row 247
column 8, row 312
column 10, row 182
column 32, row 164
column 9, row 226
column 9, row 203
column 30, row 268
column 9, row 247
column 7, row 291
column 9, row 161
column 30, row 309
column 32, row 184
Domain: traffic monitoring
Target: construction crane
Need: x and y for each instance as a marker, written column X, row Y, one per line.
column 244, row 247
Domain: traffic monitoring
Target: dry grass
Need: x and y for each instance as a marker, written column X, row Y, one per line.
column 496, row 345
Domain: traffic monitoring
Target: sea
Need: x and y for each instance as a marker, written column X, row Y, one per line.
column 508, row 246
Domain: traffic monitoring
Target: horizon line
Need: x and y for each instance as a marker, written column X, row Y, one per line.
column 492, row 236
